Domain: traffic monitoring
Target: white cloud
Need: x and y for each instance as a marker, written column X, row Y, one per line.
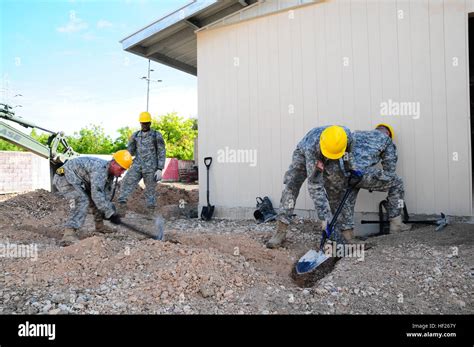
column 75, row 24
column 104, row 24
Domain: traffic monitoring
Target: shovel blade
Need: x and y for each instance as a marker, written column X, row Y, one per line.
column 159, row 228
column 207, row 212
column 310, row 261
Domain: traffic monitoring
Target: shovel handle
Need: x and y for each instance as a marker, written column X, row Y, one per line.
column 208, row 161
column 135, row 229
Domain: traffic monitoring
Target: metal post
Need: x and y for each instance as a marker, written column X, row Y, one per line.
column 148, row 86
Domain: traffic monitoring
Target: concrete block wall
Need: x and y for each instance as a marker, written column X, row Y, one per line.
column 22, row 172
column 25, row 171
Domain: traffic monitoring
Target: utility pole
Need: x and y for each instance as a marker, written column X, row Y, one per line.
column 147, row 78
column 148, row 86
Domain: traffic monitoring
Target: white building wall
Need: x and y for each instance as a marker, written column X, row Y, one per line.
column 263, row 83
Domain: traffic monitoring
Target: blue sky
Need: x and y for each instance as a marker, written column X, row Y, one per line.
column 65, row 59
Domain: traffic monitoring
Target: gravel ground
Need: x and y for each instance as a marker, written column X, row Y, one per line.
column 220, row 267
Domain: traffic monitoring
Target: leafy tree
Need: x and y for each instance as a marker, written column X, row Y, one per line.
column 122, row 141
column 178, row 134
column 91, row 140
column 42, row 138
column 7, row 146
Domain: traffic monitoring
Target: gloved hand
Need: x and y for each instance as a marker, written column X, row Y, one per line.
column 355, row 177
column 325, row 228
column 115, row 219
column 158, row 175
column 357, row 173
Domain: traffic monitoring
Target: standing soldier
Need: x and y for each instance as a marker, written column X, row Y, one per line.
column 88, row 182
column 318, row 155
column 148, row 147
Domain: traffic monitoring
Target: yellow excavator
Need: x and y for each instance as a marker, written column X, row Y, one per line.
column 57, row 150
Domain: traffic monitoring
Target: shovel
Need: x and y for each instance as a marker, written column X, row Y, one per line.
column 207, row 211
column 312, row 259
column 158, row 231
column 440, row 223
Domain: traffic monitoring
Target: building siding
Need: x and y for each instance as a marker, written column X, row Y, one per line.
column 263, row 83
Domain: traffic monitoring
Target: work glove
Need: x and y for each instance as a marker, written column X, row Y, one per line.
column 355, row 177
column 158, row 175
column 357, row 173
column 326, row 229
column 115, row 219
column 326, row 233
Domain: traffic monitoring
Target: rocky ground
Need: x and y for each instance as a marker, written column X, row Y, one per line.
column 220, row 266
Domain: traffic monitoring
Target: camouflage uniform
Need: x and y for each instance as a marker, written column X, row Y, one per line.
column 150, row 155
column 87, row 182
column 305, row 157
column 370, row 148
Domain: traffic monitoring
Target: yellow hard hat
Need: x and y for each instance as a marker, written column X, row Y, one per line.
column 333, row 142
column 390, row 129
column 145, row 117
column 123, row 158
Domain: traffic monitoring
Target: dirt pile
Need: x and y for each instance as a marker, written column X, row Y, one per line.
column 172, row 200
column 143, row 274
column 223, row 266
column 39, row 204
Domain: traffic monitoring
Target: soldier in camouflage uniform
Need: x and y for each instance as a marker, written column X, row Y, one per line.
column 322, row 154
column 148, row 147
column 372, row 147
column 88, row 182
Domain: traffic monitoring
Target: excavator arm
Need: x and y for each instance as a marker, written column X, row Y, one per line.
column 16, row 137
column 57, row 151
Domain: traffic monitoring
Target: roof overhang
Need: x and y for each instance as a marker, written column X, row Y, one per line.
column 171, row 40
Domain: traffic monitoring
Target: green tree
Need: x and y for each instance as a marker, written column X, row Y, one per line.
column 122, row 140
column 91, row 140
column 42, row 138
column 7, row 146
column 178, row 133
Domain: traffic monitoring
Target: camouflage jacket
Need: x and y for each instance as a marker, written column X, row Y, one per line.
column 92, row 175
column 149, row 150
column 373, row 146
column 316, row 172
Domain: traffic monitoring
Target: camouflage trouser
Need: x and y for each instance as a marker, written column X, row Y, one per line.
column 374, row 180
column 80, row 200
column 293, row 180
column 130, row 182
column 336, row 185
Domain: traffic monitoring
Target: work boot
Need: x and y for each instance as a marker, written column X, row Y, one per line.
column 397, row 226
column 102, row 228
column 69, row 237
column 279, row 235
column 350, row 238
column 121, row 209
